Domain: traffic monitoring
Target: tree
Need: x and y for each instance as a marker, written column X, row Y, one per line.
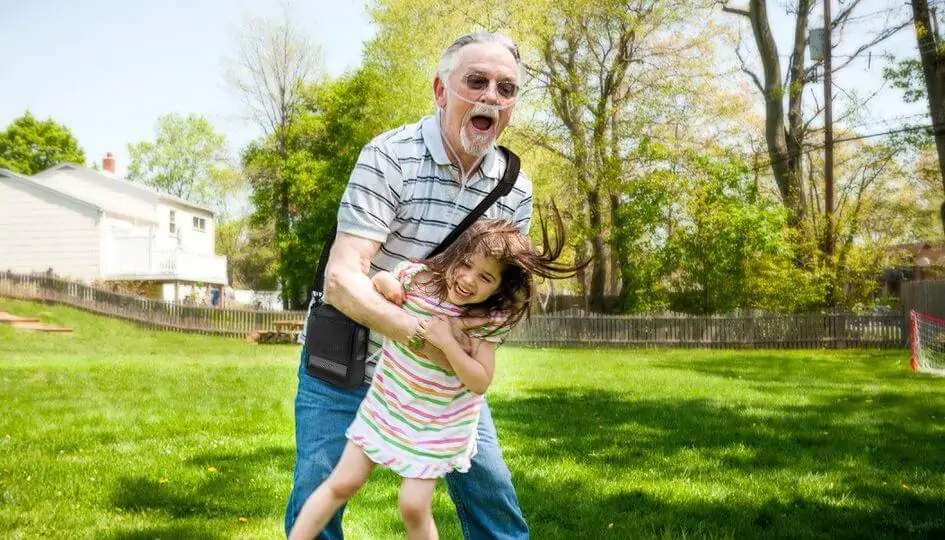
column 612, row 77
column 932, row 55
column 602, row 76
column 252, row 262
column 786, row 131
column 333, row 121
column 274, row 61
column 29, row 146
column 187, row 159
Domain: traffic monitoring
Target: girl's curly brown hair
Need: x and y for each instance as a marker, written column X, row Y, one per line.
column 520, row 260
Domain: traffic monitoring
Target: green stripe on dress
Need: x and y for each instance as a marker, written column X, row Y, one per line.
column 413, row 356
column 393, row 442
column 392, row 377
column 408, row 422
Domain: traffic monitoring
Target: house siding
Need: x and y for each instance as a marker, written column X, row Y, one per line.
column 40, row 229
column 187, row 238
column 134, row 241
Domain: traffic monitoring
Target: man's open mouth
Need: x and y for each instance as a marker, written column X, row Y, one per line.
column 482, row 123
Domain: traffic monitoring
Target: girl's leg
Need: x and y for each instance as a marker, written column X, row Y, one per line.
column 344, row 481
column 416, row 508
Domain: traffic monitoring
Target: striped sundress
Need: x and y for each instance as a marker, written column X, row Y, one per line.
column 418, row 419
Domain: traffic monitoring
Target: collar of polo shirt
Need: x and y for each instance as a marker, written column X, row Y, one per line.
column 434, row 141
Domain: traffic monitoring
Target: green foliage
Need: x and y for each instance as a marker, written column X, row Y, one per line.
column 777, row 283
column 724, row 226
column 639, row 238
column 252, row 261
column 907, row 76
column 323, row 141
column 186, row 159
column 29, row 146
column 697, row 237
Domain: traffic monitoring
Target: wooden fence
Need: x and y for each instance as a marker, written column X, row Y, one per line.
column 926, row 297
column 795, row 331
column 835, row 330
column 145, row 311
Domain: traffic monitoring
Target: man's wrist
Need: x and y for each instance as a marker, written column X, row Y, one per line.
column 416, row 341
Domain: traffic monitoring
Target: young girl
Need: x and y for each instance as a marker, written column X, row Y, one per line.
column 420, row 417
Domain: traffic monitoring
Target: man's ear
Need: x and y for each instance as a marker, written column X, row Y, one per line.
column 439, row 92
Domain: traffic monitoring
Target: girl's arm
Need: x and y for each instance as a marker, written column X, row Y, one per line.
column 387, row 284
column 474, row 370
column 389, row 287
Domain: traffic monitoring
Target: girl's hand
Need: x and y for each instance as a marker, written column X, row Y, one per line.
column 460, row 325
column 438, row 331
column 387, row 285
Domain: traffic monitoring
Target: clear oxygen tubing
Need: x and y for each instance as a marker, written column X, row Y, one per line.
column 479, row 109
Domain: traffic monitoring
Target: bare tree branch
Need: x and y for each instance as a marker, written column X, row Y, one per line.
column 882, row 36
column 743, row 11
column 744, row 67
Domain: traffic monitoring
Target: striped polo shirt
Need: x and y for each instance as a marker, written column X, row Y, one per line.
column 405, row 193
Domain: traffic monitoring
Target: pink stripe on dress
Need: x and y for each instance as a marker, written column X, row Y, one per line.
column 413, row 374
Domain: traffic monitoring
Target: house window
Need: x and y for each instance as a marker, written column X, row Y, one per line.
column 200, row 224
column 172, row 220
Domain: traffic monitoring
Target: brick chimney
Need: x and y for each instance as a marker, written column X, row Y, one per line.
column 109, row 163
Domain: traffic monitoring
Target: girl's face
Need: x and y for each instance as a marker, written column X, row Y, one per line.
column 474, row 280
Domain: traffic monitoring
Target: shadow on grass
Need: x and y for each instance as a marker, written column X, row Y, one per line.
column 729, row 447
column 202, row 530
column 231, row 490
column 636, row 514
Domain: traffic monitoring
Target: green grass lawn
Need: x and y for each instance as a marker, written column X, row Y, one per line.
column 119, row 432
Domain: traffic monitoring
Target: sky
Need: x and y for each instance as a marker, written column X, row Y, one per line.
column 108, row 69
column 863, row 76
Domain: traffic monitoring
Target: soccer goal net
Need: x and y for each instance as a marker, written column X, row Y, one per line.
column 928, row 343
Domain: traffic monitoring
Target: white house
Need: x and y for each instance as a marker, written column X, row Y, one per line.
column 91, row 226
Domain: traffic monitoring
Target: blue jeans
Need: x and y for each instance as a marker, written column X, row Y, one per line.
column 484, row 497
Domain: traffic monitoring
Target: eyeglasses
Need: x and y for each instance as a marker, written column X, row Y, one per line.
column 506, row 90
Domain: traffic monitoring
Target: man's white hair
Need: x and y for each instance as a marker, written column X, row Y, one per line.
column 448, row 60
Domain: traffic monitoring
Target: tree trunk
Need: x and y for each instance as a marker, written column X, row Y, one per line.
column 794, row 138
column 614, row 285
column 933, row 68
column 580, row 250
column 598, row 276
column 783, row 145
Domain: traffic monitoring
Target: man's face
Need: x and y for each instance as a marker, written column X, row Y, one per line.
column 484, row 76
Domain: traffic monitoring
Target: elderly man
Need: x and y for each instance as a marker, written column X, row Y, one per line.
column 410, row 187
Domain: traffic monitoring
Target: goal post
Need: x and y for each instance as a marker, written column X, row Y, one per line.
column 927, row 337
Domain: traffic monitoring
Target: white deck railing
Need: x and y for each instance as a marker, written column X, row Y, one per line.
column 135, row 258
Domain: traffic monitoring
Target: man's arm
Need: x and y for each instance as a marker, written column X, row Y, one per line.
column 348, row 288
column 351, row 291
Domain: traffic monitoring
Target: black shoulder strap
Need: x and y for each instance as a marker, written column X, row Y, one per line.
column 503, row 188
